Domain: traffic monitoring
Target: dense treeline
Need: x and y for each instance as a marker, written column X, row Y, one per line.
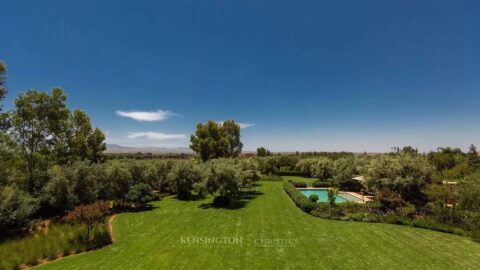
column 39, row 133
column 147, row 155
column 85, row 183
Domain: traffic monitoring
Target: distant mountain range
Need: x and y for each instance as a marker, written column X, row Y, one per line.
column 115, row 148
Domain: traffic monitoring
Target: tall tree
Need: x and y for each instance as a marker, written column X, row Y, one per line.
column 262, row 152
column 96, row 142
column 214, row 140
column 38, row 123
column 232, row 133
column 47, row 133
column 85, row 143
column 473, row 159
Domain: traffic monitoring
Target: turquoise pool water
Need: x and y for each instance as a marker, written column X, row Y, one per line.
column 323, row 195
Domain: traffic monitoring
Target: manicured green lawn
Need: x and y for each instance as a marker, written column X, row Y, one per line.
column 152, row 240
column 300, row 179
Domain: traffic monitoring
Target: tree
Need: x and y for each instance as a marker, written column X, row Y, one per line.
column 57, row 193
column 16, row 207
column 84, row 142
column 409, row 150
column 403, row 173
column 120, row 178
column 182, row 178
column 313, row 198
column 263, row 152
column 96, row 142
column 140, row 194
column 390, row 200
column 213, row 140
column 38, row 123
column 47, row 133
column 88, row 215
column 323, row 169
column 231, row 131
column 161, row 170
column 473, row 159
column 469, row 192
column 344, row 169
column 83, row 183
column 248, row 172
column 223, row 181
column 332, row 195
column 306, row 165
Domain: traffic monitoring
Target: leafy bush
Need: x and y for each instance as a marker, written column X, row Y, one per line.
column 407, row 211
column 319, row 184
column 182, row 178
column 332, row 195
column 222, row 180
column 89, row 215
column 140, row 194
column 390, row 200
column 313, row 198
column 16, row 207
column 298, row 198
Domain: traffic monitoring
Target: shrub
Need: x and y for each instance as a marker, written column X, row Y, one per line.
column 62, row 239
column 293, row 173
column 390, row 200
column 332, row 195
column 298, row 198
column 322, row 168
column 322, row 210
column 182, row 178
column 16, row 207
column 222, row 180
column 313, row 198
column 140, row 194
column 89, row 215
column 407, row 211
column 319, row 184
column 299, row 184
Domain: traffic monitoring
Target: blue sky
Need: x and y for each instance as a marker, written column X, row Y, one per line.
column 305, row 75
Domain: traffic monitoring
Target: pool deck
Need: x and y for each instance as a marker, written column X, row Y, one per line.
column 359, row 196
column 362, row 198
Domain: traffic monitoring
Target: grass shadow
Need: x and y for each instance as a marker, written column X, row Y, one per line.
column 191, row 197
column 144, row 208
column 244, row 198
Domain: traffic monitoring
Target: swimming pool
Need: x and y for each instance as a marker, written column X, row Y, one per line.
column 323, row 195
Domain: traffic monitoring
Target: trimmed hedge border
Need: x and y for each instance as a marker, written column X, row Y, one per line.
column 300, row 201
column 298, row 184
column 292, row 173
column 320, row 184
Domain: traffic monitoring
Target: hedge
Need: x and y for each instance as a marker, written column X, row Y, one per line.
column 299, row 184
column 298, row 198
column 292, row 173
column 319, row 184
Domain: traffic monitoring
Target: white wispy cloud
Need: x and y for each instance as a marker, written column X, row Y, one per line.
column 242, row 125
column 246, row 125
column 151, row 116
column 151, row 135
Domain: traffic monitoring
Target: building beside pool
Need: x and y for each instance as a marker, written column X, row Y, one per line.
column 360, row 179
